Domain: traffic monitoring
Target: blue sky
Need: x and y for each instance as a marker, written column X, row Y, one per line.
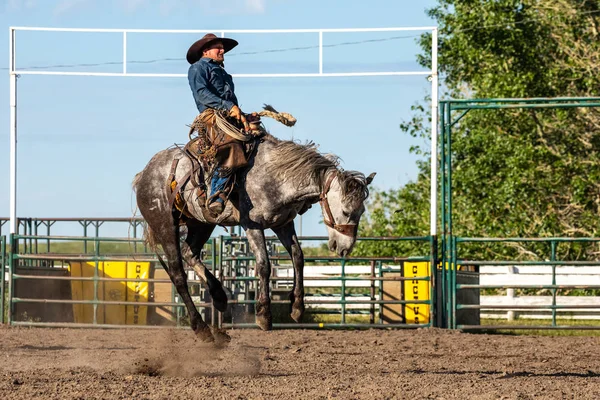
column 82, row 139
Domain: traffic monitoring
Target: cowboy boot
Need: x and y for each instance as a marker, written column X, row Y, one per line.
column 216, row 207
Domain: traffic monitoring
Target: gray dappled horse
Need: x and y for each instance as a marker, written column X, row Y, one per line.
column 282, row 180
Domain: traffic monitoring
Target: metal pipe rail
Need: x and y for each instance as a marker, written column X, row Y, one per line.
column 34, row 226
column 236, row 266
column 551, row 260
column 226, row 268
column 341, row 278
column 319, row 72
column 452, row 111
column 323, row 325
column 93, row 258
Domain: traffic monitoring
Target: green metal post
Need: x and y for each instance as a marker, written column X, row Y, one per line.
column 176, row 310
column 48, row 225
column 28, row 242
column 96, row 263
column 380, row 292
column 433, row 317
column 453, row 268
column 448, row 233
column 35, row 241
column 343, row 291
column 372, row 293
column 553, row 258
column 14, row 249
column 97, row 230
column 134, row 225
column 220, row 319
column 442, row 298
column 443, row 167
column 85, row 225
column 213, row 257
column 3, row 276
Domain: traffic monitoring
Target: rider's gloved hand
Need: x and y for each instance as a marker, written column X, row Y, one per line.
column 236, row 113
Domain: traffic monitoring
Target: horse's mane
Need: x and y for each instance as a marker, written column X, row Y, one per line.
column 303, row 164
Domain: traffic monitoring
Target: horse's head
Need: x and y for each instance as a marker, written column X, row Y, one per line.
column 342, row 203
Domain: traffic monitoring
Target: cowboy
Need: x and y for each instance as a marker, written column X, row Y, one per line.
column 212, row 87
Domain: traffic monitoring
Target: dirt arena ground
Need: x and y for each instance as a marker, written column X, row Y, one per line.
column 285, row 364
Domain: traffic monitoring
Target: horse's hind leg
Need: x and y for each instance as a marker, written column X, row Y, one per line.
column 287, row 236
column 256, row 239
column 198, row 235
column 168, row 236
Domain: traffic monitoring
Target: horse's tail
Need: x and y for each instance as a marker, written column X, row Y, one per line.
column 148, row 233
column 136, row 180
column 149, row 238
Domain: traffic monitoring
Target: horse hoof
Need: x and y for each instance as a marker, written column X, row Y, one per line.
column 205, row 335
column 265, row 323
column 297, row 314
column 221, row 337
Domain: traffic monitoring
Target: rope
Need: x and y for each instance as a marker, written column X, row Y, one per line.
column 225, row 126
column 283, row 117
column 219, row 120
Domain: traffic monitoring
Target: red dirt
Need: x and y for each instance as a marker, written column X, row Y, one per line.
column 373, row 364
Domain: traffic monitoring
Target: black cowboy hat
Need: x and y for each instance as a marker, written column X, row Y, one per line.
column 195, row 51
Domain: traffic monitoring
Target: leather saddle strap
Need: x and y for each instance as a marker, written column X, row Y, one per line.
column 180, row 184
column 171, row 175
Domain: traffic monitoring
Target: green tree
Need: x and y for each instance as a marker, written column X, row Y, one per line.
column 518, row 173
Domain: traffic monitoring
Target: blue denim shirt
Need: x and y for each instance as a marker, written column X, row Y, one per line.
column 211, row 85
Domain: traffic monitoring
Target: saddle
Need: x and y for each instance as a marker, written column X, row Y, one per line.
column 214, row 141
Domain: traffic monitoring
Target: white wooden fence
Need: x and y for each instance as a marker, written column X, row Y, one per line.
column 489, row 275
column 539, row 275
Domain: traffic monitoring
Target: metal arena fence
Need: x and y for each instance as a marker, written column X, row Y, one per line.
column 457, row 294
column 96, row 281
column 100, row 281
column 553, row 276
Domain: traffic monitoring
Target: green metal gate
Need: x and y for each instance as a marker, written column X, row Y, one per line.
column 328, row 307
column 451, row 112
column 45, row 260
column 39, row 258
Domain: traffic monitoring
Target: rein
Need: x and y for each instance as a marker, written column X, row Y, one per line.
column 344, row 229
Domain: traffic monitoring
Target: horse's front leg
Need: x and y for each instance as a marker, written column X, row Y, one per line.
column 287, row 236
column 256, row 239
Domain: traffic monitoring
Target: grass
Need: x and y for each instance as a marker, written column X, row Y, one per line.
column 542, row 322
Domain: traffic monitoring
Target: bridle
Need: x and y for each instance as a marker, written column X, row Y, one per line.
column 344, row 229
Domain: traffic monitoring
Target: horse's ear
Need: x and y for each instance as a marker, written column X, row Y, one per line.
column 370, row 178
